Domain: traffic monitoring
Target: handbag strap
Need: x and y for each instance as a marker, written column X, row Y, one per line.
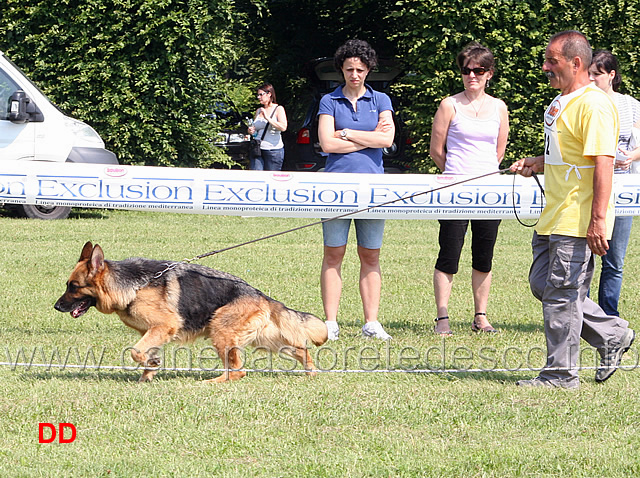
column 264, row 132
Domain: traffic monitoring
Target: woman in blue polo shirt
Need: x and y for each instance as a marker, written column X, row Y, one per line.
column 354, row 124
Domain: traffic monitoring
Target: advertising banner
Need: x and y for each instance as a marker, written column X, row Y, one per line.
column 284, row 194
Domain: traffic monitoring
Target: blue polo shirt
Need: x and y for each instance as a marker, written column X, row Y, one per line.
column 369, row 107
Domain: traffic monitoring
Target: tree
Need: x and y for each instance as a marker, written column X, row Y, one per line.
column 430, row 33
column 141, row 72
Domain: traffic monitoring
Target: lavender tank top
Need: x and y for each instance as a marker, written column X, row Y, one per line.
column 472, row 144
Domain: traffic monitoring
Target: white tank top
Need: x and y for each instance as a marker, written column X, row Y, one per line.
column 472, row 144
column 272, row 138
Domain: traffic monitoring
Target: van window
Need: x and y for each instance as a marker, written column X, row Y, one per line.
column 7, row 88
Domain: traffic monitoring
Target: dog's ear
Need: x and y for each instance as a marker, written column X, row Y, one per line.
column 97, row 260
column 86, row 252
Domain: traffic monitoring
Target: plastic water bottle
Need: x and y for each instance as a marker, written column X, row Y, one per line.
column 250, row 123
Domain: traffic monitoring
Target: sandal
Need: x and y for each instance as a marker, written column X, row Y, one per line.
column 444, row 333
column 476, row 328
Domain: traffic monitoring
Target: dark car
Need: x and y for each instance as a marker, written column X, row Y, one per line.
column 233, row 136
column 302, row 148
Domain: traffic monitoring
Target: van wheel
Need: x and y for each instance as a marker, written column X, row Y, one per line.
column 45, row 212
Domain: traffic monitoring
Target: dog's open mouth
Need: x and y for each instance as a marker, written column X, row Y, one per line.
column 81, row 308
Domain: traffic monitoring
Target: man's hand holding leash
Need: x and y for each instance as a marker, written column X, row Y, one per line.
column 527, row 166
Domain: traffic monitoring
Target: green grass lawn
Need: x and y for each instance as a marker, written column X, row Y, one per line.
column 470, row 421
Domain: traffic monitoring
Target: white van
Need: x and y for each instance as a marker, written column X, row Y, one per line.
column 34, row 129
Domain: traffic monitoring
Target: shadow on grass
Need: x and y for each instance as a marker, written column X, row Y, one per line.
column 133, row 375
column 75, row 214
column 89, row 214
column 507, row 378
column 529, row 327
column 423, row 329
column 114, row 375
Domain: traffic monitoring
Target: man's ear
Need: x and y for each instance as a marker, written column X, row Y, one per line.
column 577, row 64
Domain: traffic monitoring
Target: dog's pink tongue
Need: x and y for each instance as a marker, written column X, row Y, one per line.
column 75, row 313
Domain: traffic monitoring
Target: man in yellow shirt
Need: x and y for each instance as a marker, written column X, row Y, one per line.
column 581, row 133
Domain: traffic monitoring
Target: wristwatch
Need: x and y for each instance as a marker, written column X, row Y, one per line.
column 343, row 135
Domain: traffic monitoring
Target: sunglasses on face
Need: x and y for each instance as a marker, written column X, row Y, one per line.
column 477, row 71
column 260, row 95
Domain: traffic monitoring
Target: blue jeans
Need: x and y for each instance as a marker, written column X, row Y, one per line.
column 270, row 160
column 369, row 232
column 612, row 264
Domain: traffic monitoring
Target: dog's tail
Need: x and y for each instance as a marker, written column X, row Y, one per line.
column 314, row 328
column 302, row 326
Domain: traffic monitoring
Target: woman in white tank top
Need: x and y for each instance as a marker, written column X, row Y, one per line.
column 270, row 121
column 469, row 136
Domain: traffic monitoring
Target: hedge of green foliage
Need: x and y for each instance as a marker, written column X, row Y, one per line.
column 141, row 72
column 430, row 33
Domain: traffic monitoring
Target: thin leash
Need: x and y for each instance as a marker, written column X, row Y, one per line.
column 341, row 216
column 513, row 195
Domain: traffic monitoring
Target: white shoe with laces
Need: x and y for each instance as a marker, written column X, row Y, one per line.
column 332, row 329
column 374, row 330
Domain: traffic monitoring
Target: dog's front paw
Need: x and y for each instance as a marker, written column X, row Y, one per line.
column 153, row 362
column 146, row 377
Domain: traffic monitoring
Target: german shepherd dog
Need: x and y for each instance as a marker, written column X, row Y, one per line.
column 185, row 302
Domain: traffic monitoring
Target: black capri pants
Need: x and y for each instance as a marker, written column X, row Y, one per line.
column 451, row 239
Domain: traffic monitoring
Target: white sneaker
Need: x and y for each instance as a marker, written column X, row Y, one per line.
column 374, row 330
column 332, row 329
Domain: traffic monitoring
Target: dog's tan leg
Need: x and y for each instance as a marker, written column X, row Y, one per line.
column 232, row 359
column 145, row 351
column 152, row 361
column 230, row 330
column 302, row 355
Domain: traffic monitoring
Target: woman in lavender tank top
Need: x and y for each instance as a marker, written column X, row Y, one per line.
column 469, row 136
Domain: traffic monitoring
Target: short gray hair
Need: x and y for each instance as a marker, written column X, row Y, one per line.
column 574, row 43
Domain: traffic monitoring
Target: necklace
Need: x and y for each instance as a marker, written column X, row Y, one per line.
column 477, row 111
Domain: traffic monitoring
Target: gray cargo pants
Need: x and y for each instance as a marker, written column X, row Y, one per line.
column 560, row 277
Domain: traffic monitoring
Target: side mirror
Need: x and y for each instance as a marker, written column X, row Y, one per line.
column 18, row 103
